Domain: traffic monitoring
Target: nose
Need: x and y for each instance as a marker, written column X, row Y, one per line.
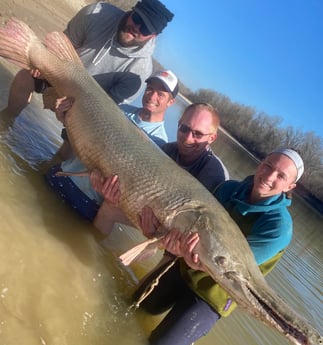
column 271, row 175
column 153, row 95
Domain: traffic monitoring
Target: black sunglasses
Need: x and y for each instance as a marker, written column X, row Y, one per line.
column 196, row 134
column 142, row 26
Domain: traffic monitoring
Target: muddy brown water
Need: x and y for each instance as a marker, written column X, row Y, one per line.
column 61, row 282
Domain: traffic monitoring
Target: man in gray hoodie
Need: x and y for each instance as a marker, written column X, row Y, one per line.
column 115, row 47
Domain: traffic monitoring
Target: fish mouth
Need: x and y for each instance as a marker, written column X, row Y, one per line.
column 269, row 308
column 279, row 322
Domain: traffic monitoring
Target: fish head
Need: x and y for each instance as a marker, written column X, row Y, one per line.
column 225, row 255
column 224, row 252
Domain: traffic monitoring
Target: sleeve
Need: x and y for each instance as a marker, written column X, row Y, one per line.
column 125, row 87
column 76, row 27
column 132, row 82
column 269, row 235
column 212, row 175
column 158, row 141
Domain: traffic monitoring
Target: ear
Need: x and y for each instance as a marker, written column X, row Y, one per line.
column 212, row 138
column 290, row 187
column 149, row 37
column 171, row 101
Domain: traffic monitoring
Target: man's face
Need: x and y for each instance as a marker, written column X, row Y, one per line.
column 195, row 132
column 156, row 99
column 276, row 174
column 129, row 33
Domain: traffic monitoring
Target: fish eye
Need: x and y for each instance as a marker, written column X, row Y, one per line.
column 220, row 260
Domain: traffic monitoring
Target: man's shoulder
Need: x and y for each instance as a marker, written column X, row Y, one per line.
column 100, row 14
column 170, row 148
column 215, row 164
column 129, row 109
column 103, row 7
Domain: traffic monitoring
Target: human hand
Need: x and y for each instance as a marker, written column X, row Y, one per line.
column 148, row 222
column 183, row 245
column 62, row 105
column 35, row 73
column 109, row 187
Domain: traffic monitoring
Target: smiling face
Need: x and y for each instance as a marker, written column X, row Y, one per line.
column 156, row 99
column 275, row 175
column 196, row 131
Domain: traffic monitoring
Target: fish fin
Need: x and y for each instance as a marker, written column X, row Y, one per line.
column 59, row 44
column 150, row 287
column 16, row 39
column 140, row 251
column 79, row 174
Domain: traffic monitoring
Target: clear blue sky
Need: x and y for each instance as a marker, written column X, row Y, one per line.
column 262, row 53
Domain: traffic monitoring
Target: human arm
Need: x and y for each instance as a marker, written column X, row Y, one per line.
column 123, row 87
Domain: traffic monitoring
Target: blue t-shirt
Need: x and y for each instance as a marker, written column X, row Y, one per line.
column 155, row 130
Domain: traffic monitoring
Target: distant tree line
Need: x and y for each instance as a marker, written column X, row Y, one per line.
column 257, row 131
column 261, row 133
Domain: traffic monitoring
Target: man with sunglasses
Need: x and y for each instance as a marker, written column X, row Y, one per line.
column 197, row 129
column 115, row 47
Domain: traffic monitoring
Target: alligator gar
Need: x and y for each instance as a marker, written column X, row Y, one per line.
column 104, row 139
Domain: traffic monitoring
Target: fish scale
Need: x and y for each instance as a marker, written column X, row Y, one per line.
column 103, row 138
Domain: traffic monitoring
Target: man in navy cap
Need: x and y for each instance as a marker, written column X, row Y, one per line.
column 115, row 47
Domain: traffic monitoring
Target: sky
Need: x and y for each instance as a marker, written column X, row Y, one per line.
column 267, row 54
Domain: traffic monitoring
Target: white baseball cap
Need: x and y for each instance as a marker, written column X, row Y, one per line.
column 169, row 80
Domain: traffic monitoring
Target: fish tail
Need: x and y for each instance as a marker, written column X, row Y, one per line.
column 59, row 44
column 140, row 251
column 16, row 42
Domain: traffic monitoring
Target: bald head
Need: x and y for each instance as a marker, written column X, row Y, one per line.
column 205, row 111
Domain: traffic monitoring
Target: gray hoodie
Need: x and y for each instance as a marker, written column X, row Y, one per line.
column 121, row 71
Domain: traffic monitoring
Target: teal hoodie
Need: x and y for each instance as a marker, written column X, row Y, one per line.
column 267, row 226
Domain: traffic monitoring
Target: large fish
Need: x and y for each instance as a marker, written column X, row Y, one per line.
column 105, row 139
